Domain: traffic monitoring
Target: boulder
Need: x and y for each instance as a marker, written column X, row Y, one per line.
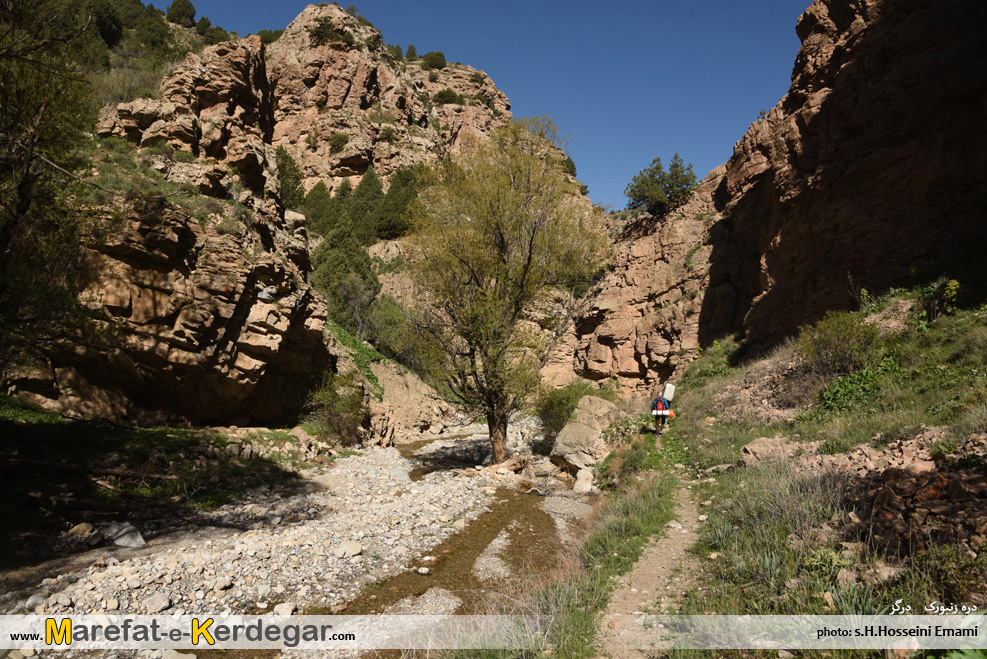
column 768, row 449
column 580, row 444
column 584, row 481
column 124, row 534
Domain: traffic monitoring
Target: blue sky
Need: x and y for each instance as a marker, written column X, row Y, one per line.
column 628, row 81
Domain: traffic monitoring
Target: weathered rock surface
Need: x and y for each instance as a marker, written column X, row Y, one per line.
column 217, row 105
column 581, row 443
column 909, row 495
column 869, row 167
column 199, row 325
column 383, row 107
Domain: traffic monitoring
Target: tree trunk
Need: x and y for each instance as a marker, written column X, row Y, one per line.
column 497, row 423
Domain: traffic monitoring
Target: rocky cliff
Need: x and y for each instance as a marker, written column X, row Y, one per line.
column 383, row 107
column 205, row 312
column 869, row 169
column 195, row 324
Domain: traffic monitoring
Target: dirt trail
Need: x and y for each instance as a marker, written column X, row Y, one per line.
column 655, row 585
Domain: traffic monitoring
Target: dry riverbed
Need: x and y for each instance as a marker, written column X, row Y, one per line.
column 387, row 530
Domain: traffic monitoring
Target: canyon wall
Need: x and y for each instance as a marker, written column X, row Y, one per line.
column 870, row 169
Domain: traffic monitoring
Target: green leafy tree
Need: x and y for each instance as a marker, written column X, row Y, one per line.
column 394, row 218
column 215, row 35
column 153, row 33
column 269, row 36
column 290, row 176
column 344, row 273
column 182, row 12
column 202, row 26
column 107, row 21
column 319, row 209
column 569, row 166
column 411, row 54
column 363, row 208
column 658, row 190
column 489, row 258
column 46, row 119
column 129, row 11
column 435, row 59
column 323, row 211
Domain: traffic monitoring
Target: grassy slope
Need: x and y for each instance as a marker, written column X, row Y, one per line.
column 772, row 543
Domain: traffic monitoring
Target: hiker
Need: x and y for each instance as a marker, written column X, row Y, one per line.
column 661, row 409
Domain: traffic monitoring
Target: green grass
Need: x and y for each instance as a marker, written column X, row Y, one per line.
column 630, row 517
column 363, row 355
column 767, row 523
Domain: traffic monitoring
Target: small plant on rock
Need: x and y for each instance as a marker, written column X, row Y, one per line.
column 337, row 141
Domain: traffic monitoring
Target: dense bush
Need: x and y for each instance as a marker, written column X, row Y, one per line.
column 343, row 272
column 433, row 60
column 363, row 207
column 107, row 20
column 322, row 210
column 182, row 12
column 411, row 54
column 555, row 406
column 269, row 36
column 290, row 176
column 337, row 141
column 323, row 32
column 392, row 219
column 839, row 344
column 152, row 32
column 448, row 96
column 336, row 408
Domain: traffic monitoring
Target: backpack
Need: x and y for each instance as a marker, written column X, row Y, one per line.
column 660, row 403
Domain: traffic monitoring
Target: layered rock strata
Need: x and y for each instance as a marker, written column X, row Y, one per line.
column 197, row 325
column 382, row 109
column 868, row 170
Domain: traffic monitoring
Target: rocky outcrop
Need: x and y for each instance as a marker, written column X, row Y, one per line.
column 867, row 171
column 198, row 325
column 411, row 406
column 644, row 320
column 212, row 321
column 216, row 105
column 384, row 108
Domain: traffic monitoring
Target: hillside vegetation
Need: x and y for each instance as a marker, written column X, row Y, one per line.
column 802, row 535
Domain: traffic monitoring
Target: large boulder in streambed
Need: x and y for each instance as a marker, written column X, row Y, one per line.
column 581, row 444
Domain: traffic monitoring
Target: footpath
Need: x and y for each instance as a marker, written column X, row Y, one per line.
column 663, row 574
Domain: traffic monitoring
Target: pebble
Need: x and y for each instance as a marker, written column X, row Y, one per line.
column 157, row 603
column 284, row 609
column 360, row 504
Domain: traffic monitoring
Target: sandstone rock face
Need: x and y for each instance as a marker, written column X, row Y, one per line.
column 217, row 105
column 200, row 326
column 644, row 320
column 214, row 322
column 869, row 167
column 383, row 107
column 410, row 406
